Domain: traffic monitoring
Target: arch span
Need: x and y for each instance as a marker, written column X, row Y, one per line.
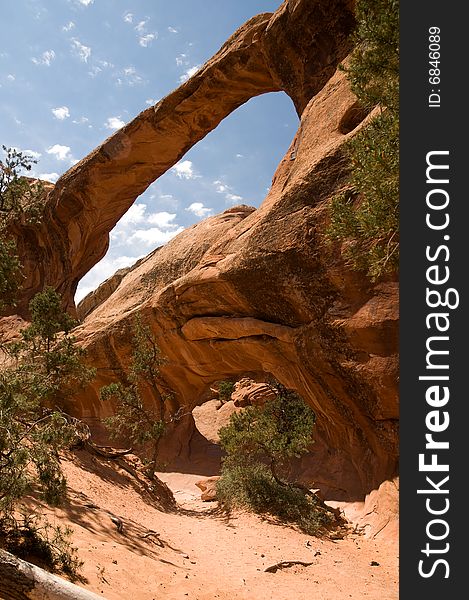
column 295, row 49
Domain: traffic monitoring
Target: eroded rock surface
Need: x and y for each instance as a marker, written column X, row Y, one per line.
column 252, row 393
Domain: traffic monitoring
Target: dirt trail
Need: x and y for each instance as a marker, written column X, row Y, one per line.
column 133, row 550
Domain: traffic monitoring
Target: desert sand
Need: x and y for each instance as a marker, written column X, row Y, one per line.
column 133, row 548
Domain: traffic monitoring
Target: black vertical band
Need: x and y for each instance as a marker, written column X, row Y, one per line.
column 434, row 271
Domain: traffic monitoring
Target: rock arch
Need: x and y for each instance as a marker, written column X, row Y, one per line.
column 295, row 49
column 248, row 289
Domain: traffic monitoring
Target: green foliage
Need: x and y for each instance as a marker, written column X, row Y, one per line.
column 18, row 196
column 31, row 537
column 253, row 487
column 20, row 201
column 10, row 272
column 49, row 364
column 133, row 419
column 279, row 430
column 259, row 443
column 374, row 65
column 366, row 217
column 44, row 369
column 225, row 389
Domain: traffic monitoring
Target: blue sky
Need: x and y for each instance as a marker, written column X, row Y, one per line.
column 74, row 71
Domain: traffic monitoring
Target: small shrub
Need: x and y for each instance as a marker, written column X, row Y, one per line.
column 259, row 443
column 225, row 389
column 34, row 539
column 133, row 419
column 45, row 368
column 254, row 488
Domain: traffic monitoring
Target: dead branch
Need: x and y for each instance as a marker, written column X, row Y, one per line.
column 20, row 580
column 284, row 564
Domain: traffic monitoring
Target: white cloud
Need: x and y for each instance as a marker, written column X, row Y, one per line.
column 163, row 220
column 61, row 112
column 135, row 215
column 128, row 17
column 146, row 39
column 221, row 187
column 188, row 74
column 100, row 272
column 94, row 70
column 83, row 52
column 140, row 27
column 138, row 227
column 181, row 60
column 69, row 26
column 45, row 59
column 114, row 123
column 198, row 209
column 99, row 67
column 135, row 234
column 153, row 236
column 80, row 121
column 150, row 101
column 233, row 197
column 130, row 77
column 33, row 154
column 240, row 156
column 11, row 77
column 30, row 153
column 173, row 30
column 49, row 177
column 60, row 152
column 184, row 170
column 85, row 2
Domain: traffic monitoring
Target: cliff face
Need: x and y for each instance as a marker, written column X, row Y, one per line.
column 248, row 291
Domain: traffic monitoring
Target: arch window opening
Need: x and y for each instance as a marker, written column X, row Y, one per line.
column 234, row 164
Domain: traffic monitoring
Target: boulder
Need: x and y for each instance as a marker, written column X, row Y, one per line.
column 209, row 488
column 211, row 416
column 251, row 393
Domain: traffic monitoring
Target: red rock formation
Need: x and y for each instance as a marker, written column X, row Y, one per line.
column 247, row 292
column 296, row 50
column 259, row 291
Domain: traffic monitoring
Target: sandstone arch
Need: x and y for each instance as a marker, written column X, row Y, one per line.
column 248, row 289
column 257, row 290
column 295, row 49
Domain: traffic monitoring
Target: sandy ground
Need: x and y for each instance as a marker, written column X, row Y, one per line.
column 195, row 552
